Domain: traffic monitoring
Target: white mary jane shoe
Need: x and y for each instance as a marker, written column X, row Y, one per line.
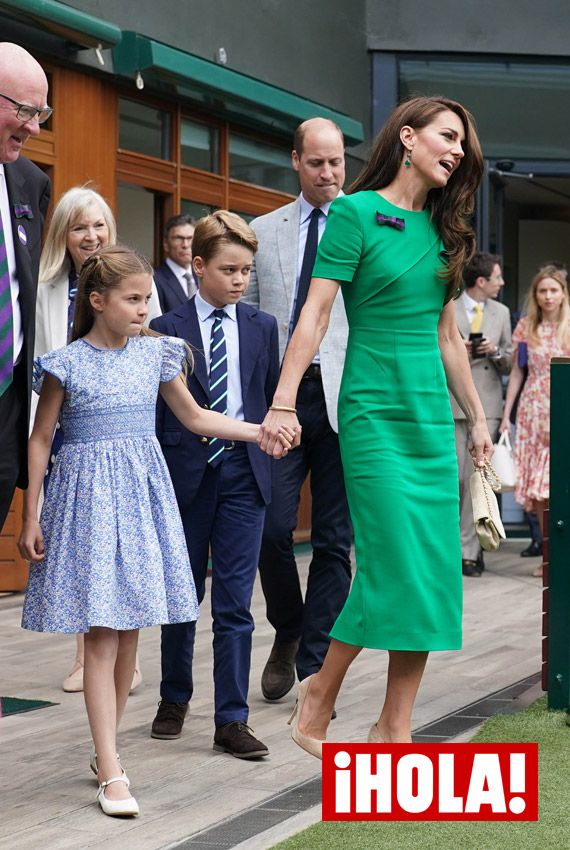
column 128, row 808
column 94, row 767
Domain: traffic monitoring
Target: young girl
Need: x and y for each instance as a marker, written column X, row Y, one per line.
column 109, row 556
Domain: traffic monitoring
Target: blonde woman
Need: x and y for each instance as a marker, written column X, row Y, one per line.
column 545, row 330
column 81, row 224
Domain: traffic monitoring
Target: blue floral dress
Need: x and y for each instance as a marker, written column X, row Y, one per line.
column 115, row 549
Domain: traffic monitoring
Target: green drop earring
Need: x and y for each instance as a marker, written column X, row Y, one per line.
column 408, row 159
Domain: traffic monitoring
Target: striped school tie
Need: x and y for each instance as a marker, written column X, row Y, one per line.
column 6, row 319
column 218, row 382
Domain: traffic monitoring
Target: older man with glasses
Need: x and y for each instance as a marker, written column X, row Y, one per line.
column 24, row 199
column 175, row 279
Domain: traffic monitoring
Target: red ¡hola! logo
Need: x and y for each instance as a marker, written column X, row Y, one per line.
column 430, row 782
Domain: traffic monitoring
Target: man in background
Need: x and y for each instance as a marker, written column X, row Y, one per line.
column 175, row 279
column 485, row 326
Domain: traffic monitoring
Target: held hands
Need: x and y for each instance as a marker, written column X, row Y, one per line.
column 279, row 432
column 31, row 542
column 481, row 447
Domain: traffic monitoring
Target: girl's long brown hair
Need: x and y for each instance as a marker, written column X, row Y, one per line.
column 451, row 206
column 101, row 273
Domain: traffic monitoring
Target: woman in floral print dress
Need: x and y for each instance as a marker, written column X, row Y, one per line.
column 545, row 331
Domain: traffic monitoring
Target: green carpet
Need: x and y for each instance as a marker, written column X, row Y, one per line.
column 14, row 705
column 551, row 832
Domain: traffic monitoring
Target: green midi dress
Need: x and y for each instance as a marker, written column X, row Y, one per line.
column 395, row 428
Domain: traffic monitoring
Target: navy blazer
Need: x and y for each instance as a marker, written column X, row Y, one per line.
column 170, row 292
column 187, row 453
column 29, row 192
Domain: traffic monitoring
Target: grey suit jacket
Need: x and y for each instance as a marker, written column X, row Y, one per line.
column 487, row 372
column 272, row 288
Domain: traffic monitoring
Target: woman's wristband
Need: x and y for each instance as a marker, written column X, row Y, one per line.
column 283, row 409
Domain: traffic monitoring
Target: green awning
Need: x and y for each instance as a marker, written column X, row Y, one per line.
column 228, row 92
column 62, row 20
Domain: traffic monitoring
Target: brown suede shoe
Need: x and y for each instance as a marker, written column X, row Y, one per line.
column 169, row 720
column 237, row 739
column 278, row 675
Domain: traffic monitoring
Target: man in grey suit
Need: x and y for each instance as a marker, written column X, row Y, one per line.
column 288, row 239
column 477, row 312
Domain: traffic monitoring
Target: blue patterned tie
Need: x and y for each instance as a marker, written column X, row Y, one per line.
column 218, row 381
column 6, row 319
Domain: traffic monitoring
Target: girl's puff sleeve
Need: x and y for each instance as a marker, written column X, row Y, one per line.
column 174, row 355
column 340, row 248
column 54, row 362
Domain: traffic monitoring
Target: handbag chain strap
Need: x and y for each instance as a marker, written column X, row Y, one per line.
column 489, row 478
column 490, row 474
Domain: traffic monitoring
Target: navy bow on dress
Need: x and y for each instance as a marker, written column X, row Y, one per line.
column 390, row 220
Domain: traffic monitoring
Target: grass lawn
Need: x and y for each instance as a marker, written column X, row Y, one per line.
column 551, row 832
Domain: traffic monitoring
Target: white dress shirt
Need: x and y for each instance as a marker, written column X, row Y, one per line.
column 470, row 304
column 11, row 256
column 231, row 333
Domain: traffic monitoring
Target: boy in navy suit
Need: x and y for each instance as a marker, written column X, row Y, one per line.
column 221, row 489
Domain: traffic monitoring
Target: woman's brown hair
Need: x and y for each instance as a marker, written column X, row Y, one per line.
column 452, row 206
column 101, row 273
column 534, row 313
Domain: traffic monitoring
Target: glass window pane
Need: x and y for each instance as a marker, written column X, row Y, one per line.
column 199, row 146
column 135, row 218
column 262, row 164
column 195, row 209
column 144, row 129
column 521, row 109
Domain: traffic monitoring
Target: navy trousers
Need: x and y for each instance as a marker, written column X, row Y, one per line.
column 227, row 515
column 311, row 620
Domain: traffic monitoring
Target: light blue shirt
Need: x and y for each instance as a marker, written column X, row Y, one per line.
column 205, row 313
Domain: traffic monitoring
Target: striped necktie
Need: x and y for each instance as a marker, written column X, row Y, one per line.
column 218, row 381
column 6, row 319
column 477, row 319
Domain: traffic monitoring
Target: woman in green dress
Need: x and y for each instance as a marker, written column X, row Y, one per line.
column 396, row 245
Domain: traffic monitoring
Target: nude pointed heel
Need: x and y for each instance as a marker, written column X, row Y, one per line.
column 374, row 735
column 314, row 746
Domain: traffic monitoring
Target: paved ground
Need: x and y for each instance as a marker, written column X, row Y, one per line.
column 183, row 787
